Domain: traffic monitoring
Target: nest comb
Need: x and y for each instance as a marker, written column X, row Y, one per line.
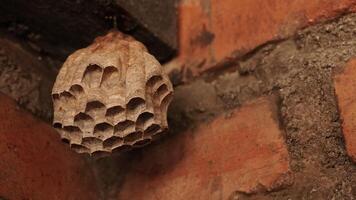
column 111, row 96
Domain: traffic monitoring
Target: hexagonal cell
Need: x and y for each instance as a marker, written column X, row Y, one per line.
column 65, row 140
column 82, row 117
column 92, row 76
column 151, row 130
column 95, row 109
column 113, row 142
column 115, row 114
column 92, row 143
column 115, row 110
column 77, row 90
column 71, row 130
column 143, row 119
column 66, row 96
column 55, row 97
column 122, row 128
column 63, row 134
column 132, row 137
column 165, row 101
column 83, row 121
column 103, row 131
column 161, row 93
column 110, row 77
column 153, row 81
column 74, row 133
column 67, row 102
column 134, row 107
column 94, row 105
column 79, row 148
column 57, row 125
column 161, row 90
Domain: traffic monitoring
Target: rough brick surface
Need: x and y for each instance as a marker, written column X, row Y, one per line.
column 213, row 30
column 243, row 152
column 34, row 164
column 345, row 88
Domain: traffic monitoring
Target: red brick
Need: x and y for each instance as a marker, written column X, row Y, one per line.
column 345, row 88
column 34, row 164
column 244, row 152
column 240, row 26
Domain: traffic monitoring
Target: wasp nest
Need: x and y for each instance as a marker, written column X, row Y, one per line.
column 111, row 96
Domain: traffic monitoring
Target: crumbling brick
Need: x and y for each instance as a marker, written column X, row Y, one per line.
column 244, row 152
column 213, row 31
column 34, row 164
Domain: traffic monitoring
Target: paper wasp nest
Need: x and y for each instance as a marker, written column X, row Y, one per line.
column 111, row 96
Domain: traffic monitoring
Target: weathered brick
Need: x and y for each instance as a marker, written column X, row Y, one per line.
column 244, row 152
column 212, row 31
column 34, row 164
column 345, row 88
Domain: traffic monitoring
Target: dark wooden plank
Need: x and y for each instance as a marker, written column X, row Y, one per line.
column 67, row 25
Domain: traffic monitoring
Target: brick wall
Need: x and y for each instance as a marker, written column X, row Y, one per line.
column 213, row 32
column 262, row 108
